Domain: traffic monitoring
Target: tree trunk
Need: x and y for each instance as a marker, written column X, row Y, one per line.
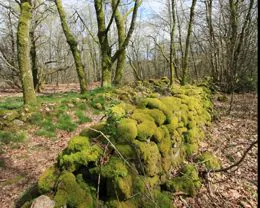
column 187, row 45
column 104, row 45
column 23, row 49
column 73, row 47
column 33, row 55
column 121, row 61
column 172, row 45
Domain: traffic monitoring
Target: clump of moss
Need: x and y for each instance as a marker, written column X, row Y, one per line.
column 117, row 176
column 48, row 179
column 119, row 111
column 126, row 150
column 70, row 193
column 114, row 168
column 155, row 103
column 188, row 182
column 157, row 115
column 146, row 130
column 150, row 157
column 158, row 199
column 210, row 161
column 91, row 133
column 121, row 204
column 141, row 116
column 78, row 152
column 127, row 130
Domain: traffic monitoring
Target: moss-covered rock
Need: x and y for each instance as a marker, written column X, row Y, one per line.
column 91, row 133
column 78, row 152
column 210, row 161
column 188, row 182
column 146, row 130
column 150, row 157
column 127, row 130
column 48, row 179
column 155, row 135
column 70, row 193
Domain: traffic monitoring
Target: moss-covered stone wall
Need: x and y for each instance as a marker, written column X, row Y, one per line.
column 134, row 161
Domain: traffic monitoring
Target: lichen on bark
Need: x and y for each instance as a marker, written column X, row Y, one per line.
column 23, row 49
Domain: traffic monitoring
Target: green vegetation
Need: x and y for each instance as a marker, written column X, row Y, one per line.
column 154, row 134
column 8, row 137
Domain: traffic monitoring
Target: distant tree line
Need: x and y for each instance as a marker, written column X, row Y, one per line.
column 116, row 41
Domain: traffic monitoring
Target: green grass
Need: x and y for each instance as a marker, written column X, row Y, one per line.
column 81, row 117
column 65, row 123
column 8, row 137
column 47, row 128
column 36, row 118
column 57, row 97
column 11, row 103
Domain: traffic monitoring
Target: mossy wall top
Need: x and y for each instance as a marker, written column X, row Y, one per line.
column 154, row 136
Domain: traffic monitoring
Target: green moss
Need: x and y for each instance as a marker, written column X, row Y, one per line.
column 70, row 193
column 155, row 103
column 91, row 133
column 173, row 125
column 117, row 112
column 210, row 161
column 79, row 152
column 159, row 199
column 150, row 155
column 188, row 182
column 47, row 180
column 160, row 133
column 113, row 169
column 165, row 145
column 157, row 115
column 191, row 148
column 124, row 187
column 141, row 116
column 126, row 150
column 127, row 130
column 121, row 204
column 146, row 130
column 9, row 115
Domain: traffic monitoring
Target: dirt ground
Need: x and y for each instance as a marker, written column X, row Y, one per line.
column 227, row 137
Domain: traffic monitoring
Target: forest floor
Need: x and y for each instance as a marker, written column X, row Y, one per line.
column 228, row 136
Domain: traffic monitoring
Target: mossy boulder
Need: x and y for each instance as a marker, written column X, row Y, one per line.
column 189, row 181
column 78, row 152
column 91, row 133
column 70, row 193
column 210, row 161
column 150, row 157
column 48, row 179
column 127, row 130
column 146, row 130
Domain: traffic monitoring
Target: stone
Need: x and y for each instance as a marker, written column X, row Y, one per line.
column 18, row 122
column 70, row 105
column 43, row 202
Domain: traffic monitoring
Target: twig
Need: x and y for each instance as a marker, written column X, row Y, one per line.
column 112, row 145
column 238, row 162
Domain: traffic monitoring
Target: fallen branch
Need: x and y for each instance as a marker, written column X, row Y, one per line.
column 238, row 162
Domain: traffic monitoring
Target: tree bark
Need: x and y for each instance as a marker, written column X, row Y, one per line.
column 106, row 63
column 172, row 45
column 187, row 45
column 23, row 49
column 121, row 61
column 73, row 47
